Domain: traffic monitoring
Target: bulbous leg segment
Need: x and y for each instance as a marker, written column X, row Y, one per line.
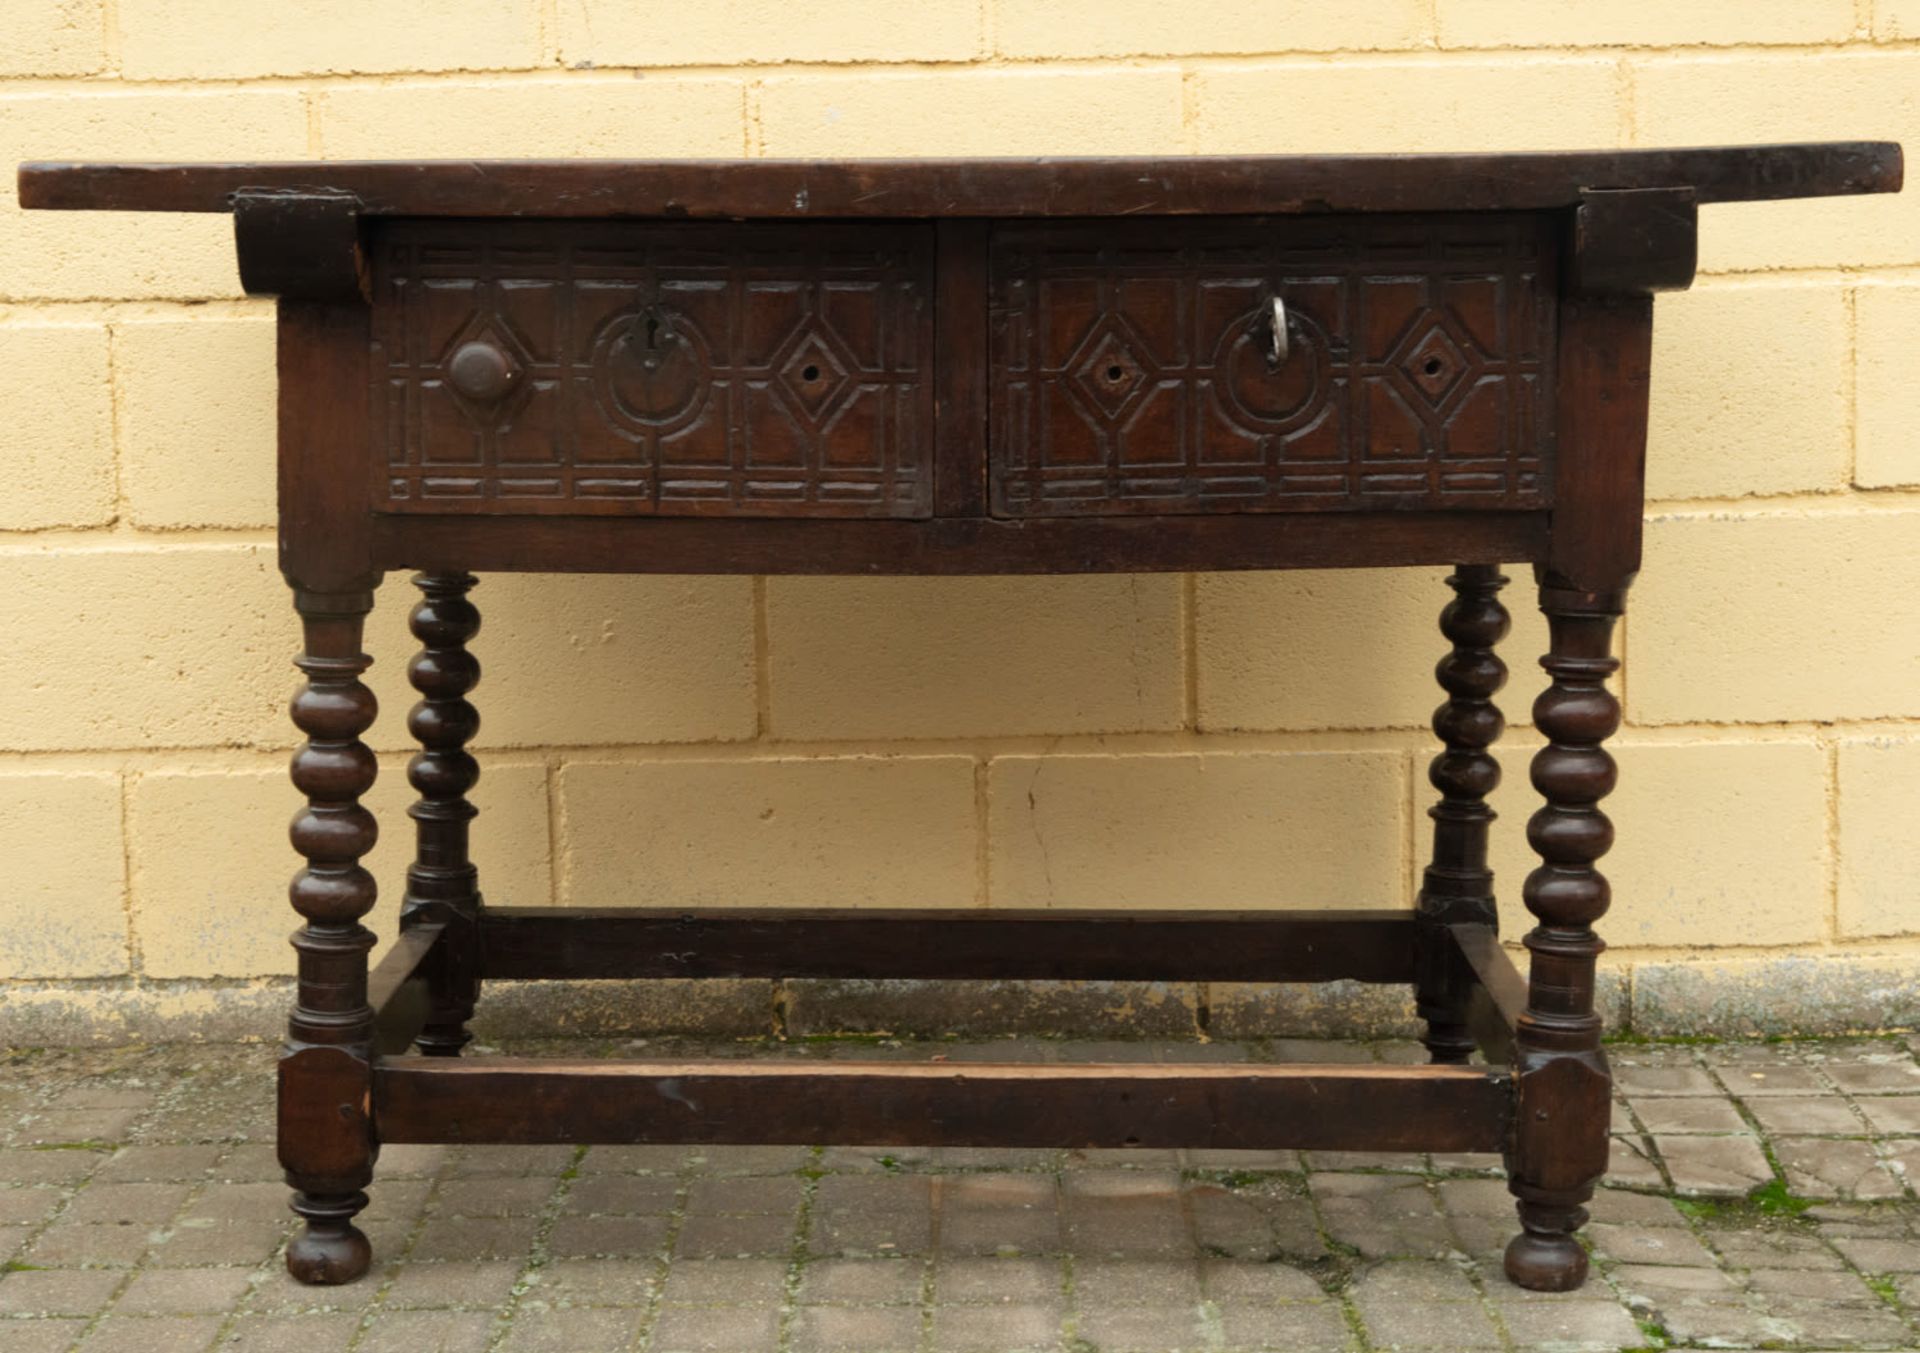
column 1458, row 885
column 1545, row 1257
column 329, row 1250
column 442, row 884
column 1559, row 1146
column 326, row 1143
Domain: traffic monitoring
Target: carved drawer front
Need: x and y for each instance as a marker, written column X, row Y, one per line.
column 1297, row 364
column 684, row 369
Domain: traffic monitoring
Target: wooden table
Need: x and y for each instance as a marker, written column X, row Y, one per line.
column 961, row 367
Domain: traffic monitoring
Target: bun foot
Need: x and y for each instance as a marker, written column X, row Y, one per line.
column 330, row 1250
column 1546, row 1263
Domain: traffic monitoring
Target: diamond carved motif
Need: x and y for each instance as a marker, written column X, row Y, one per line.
column 653, row 368
column 1436, row 364
column 1134, row 370
column 814, row 375
column 1110, row 372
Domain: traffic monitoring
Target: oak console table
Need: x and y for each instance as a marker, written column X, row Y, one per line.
column 961, row 367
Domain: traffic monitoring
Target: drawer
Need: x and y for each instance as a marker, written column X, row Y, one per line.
column 1135, row 367
column 652, row 368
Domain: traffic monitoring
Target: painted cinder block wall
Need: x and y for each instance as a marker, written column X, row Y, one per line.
column 1152, row 740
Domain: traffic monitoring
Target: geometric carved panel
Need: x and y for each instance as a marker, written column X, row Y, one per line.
column 1135, row 367
column 641, row 368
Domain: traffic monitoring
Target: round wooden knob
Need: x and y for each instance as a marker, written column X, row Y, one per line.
column 481, row 371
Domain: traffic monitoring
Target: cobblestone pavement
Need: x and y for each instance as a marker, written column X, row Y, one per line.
column 1763, row 1197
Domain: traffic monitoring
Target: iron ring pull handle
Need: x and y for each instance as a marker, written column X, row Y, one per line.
column 1282, row 344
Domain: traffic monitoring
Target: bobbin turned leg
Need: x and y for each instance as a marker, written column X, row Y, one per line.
column 1458, row 886
column 1559, row 1146
column 442, row 884
column 326, row 1140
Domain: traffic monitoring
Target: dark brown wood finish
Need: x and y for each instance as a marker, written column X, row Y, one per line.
column 1374, row 1108
column 690, row 369
column 1458, row 886
column 443, row 887
column 959, row 545
column 962, row 367
column 326, row 1139
column 1499, row 994
column 960, row 395
column 399, row 989
column 326, row 1133
column 822, row 189
column 1257, row 364
column 300, row 244
column 1559, row 1148
column 1074, row 946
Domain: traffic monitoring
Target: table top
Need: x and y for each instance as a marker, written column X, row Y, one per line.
column 1493, row 412
column 1185, row 185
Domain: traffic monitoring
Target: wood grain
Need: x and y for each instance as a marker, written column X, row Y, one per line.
column 1273, row 946
column 1217, row 1107
column 1199, row 185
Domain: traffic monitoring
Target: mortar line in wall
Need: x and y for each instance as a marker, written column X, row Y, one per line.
column 762, row 664
column 310, row 103
column 136, row 960
column 1832, row 825
column 116, row 421
column 1838, row 502
column 122, row 536
column 1190, row 656
column 170, row 309
column 1410, row 831
column 551, row 782
column 269, row 984
column 546, row 17
column 559, row 829
column 1850, row 382
column 1801, row 274
column 228, row 757
column 1896, row 270
column 112, row 41
column 1624, row 673
column 1105, row 62
column 755, row 136
column 1189, row 110
column 982, row 833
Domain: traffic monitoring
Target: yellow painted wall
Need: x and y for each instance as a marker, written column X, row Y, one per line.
column 1149, row 740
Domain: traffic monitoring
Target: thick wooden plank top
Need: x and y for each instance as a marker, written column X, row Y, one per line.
column 982, row 187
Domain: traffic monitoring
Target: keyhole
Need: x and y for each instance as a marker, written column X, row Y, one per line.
column 1115, row 375
column 809, row 373
column 653, row 333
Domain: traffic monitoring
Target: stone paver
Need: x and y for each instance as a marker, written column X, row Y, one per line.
column 141, row 1211
column 1727, row 1167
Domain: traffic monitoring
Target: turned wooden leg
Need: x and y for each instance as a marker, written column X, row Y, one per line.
column 1559, row 1146
column 1458, row 886
column 326, row 1139
column 442, row 884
